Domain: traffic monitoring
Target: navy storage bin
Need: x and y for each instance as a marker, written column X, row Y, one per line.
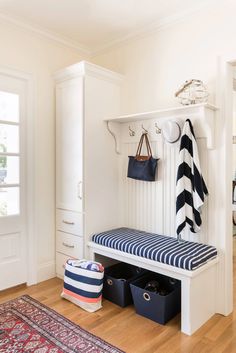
column 116, row 283
column 159, row 308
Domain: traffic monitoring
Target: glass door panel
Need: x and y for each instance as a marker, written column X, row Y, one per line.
column 9, row 106
column 9, row 138
column 9, row 169
column 9, row 201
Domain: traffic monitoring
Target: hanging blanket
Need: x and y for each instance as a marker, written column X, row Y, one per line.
column 191, row 188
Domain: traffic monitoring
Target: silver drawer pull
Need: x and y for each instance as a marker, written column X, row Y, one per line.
column 67, row 222
column 80, row 190
column 68, row 245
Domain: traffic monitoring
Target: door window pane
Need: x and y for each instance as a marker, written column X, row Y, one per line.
column 9, row 170
column 9, row 106
column 9, row 138
column 9, row 201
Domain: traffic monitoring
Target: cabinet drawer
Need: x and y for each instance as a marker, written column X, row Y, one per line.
column 69, row 244
column 69, row 222
column 60, row 264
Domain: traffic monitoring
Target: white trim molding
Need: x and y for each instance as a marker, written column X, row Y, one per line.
column 85, row 67
column 43, row 32
column 223, row 183
column 46, row 271
column 153, row 28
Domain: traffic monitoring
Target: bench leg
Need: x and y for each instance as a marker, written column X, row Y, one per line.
column 91, row 255
column 198, row 300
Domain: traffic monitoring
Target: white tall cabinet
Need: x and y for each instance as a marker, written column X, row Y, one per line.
column 86, row 165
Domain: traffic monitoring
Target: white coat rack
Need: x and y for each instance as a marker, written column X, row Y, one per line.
column 128, row 128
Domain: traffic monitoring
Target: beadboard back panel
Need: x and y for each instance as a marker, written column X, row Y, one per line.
column 150, row 206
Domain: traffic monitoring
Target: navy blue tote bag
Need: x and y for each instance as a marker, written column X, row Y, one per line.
column 142, row 167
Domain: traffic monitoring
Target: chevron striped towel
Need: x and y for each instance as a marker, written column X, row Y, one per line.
column 191, row 188
column 83, row 282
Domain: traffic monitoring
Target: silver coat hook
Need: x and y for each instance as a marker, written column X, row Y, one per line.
column 131, row 132
column 145, row 130
column 158, row 130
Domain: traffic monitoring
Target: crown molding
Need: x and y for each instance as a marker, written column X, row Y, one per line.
column 46, row 34
column 152, row 28
column 86, row 68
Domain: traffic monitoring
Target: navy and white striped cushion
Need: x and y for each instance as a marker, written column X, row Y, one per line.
column 168, row 250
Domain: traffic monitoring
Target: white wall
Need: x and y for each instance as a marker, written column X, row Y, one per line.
column 155, row 66
column 22, row 50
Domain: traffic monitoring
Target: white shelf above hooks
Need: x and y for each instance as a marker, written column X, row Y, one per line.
column 201, row 115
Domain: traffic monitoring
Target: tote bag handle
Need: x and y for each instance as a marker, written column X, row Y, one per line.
column 140, row 145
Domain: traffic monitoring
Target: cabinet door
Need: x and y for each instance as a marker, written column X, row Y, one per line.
column 69, row 137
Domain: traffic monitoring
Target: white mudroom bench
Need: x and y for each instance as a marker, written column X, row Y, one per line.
column 194, row 264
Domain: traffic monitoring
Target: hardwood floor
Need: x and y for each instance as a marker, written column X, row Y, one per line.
column 133, row 333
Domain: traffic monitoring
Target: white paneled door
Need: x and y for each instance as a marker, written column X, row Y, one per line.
column 13, row 251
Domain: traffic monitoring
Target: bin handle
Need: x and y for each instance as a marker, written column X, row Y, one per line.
column 110, row 282
column 146, row 296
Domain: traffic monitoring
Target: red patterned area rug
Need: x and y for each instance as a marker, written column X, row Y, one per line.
column 28, row 326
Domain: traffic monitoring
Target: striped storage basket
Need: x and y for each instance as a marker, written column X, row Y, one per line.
column 83, row 286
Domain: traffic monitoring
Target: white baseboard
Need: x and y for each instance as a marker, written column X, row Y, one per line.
column 46, row 271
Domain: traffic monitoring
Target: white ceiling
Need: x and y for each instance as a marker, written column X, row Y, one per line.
column 93, row 25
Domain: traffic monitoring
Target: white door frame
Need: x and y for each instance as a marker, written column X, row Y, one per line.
column 30, row 168
column 224, row 101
